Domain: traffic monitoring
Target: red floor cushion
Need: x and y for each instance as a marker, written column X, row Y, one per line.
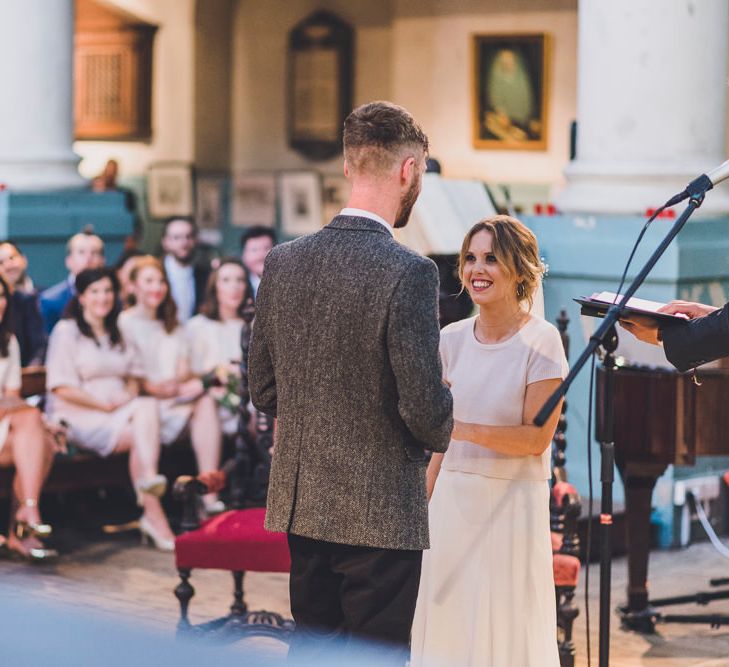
column 235, row 540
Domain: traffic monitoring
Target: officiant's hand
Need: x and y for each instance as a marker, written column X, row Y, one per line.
column 687, row 308
column 644, row 328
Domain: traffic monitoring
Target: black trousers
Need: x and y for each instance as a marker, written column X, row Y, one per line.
column 341, row 594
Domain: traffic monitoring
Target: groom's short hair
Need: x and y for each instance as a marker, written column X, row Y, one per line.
column 377, row 135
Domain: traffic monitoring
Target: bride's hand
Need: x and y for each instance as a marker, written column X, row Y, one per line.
column 459, row 430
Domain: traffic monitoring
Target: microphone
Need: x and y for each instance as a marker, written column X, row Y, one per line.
column 719, row 174
column 701, row 185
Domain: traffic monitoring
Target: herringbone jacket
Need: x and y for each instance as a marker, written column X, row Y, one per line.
column 344, row 352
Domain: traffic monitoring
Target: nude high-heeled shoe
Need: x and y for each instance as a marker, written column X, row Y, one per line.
column 149, row 534
column 154, row 486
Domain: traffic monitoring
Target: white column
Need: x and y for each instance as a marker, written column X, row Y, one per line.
column 36, row 80
column 651, row 103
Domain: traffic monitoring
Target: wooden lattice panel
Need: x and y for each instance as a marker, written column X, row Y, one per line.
column 113, row 77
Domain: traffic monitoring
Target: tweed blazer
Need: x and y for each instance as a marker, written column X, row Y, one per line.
column 344, row 351
column 690, row 344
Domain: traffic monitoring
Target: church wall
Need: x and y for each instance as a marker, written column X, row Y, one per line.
column 416, row 54
column 442, row 98
column 259, row 74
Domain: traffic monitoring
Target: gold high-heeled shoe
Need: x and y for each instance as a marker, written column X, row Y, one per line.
column 25, row 529
column 149, row 534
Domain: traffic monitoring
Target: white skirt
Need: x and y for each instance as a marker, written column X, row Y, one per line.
column 486, row 594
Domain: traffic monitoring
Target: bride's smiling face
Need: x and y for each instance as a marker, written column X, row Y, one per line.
column 485, row 278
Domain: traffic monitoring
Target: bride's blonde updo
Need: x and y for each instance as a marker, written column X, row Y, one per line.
column 516, row 250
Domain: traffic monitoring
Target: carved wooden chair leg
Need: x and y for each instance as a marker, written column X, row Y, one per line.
column 184, row 592
column 239, row 607
column 566, row 614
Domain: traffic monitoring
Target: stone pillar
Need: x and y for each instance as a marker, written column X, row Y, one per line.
column 651, row 103
column 36, row 79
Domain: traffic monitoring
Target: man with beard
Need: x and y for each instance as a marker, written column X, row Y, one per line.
column 345, row 353
column 187, row 281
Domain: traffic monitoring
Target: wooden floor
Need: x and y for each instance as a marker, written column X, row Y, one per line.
column 115, row 577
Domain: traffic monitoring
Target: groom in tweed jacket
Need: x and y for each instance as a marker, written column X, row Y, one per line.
column 345, row 353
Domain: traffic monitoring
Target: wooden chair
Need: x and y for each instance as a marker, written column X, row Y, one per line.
column 82, row 470
column 565, row 508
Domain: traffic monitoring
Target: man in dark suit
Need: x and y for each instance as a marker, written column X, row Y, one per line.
column 84, row 250
column 702, row 338
column 345, row 353
column 187, row 280
column 255, row 244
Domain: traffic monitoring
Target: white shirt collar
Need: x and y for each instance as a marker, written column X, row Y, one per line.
column 173, row 266
column 361, row 213
column 182, row 287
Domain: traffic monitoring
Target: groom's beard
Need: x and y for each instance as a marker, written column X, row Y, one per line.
column 407, row 202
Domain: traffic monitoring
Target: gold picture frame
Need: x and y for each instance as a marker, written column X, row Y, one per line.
column 510, row 91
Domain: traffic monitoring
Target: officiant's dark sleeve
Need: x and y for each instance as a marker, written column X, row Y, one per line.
column 699, row 341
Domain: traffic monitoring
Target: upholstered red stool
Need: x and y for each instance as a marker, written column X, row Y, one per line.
column 235, row 541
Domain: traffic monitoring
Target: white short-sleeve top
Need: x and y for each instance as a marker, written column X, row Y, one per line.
column 213, row 343
column 162, row 355
column 488, row 383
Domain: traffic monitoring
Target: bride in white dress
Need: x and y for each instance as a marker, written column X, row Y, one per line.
column 487, row 592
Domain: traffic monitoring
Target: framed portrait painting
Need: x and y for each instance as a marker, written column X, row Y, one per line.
column 510, row 91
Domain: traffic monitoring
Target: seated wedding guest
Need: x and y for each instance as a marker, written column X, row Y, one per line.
column 187, row 280
column 151, row 329
column 29, row 328
column 27, row 324
column 26, row 443
column 123, row 267
column 83, row 251
column 490, row 549
column 14, row 264
column 214, row 335
column 92, row 377
column 255, row 244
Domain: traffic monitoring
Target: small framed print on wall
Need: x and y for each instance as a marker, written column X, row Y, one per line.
column 209, row 206
column 300, row 199
column 510, row 91
column 253, row 199
column 169, row 189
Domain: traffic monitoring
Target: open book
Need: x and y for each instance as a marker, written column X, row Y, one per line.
column 599, row 303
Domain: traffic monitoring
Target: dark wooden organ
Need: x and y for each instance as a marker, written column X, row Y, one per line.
column 660, row 418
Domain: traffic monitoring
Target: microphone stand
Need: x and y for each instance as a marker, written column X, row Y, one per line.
column 606, row 337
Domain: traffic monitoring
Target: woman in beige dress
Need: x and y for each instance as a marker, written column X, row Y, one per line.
column 151, row 328
column 487, row 590
column 93, row 380
column 214, row 334
column 25, row 443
